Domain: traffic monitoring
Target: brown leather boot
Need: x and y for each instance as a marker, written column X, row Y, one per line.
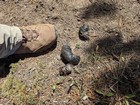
column 36, row 38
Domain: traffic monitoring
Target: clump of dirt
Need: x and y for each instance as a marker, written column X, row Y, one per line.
column 108, row 71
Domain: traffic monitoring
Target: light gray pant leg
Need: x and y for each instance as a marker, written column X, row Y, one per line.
column 10, row 40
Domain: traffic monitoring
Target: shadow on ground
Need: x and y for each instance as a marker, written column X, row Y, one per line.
column 122, row 82
column 112, row 45
column 99, row 8
column 124, row 79
column 5, row 64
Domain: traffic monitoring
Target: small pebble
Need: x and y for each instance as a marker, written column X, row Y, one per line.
column 66, row 70
column 85, row 97
column 83, row 32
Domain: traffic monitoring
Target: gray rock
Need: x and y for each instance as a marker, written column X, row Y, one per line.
column 66, row 70
column 83, row 32
column 67, row 55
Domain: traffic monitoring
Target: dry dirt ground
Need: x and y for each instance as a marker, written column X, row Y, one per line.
column 109, row 70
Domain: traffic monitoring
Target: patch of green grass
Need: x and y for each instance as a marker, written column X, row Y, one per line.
column 17, row 91
column 41, row 65
column 94, row 57
column 13, row 67
column 14, row 89
column 104, row 94
column 7, row 85
column 77, row 46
